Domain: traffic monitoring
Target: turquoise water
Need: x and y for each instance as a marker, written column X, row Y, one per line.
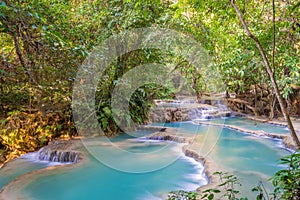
column 249, row 157
column 22, row 165
column 10, row 172
column 239, row 150
column 95, row 180
column 252, row 125
column 236, row 121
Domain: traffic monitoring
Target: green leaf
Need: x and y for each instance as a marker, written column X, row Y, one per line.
column 215, row 190
column 258, row 197
column 211, row 196
column 296, row 6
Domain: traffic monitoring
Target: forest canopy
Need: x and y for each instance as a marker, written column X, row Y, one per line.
column 44, row 42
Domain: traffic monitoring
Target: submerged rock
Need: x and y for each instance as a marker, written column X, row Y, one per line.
column 152, row 128
column 167, row 137
column 193, row 154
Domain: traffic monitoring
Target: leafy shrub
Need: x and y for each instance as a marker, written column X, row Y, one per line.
column 182, row 195
column 23, row 132
column 287, row 181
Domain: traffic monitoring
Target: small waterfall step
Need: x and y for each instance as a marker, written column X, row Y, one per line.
column 183, row 110
column 58, row 156
column 59, row 151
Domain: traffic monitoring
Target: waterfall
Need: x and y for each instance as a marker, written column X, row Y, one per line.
column 208, row 113
column 47, row 154
column 214, row 110
column 188, row 109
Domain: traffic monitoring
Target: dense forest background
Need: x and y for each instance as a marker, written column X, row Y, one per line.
column 44, row 42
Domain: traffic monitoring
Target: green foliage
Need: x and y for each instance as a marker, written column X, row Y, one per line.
column 43, row 43
column 22, row 132
column 226, row 190
column 287, row 181
column 237, row 56
column 179, row 195
column 262, row 192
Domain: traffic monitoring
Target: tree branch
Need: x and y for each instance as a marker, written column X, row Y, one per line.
column 274, row 41
column 19, row 53
column 270, row 73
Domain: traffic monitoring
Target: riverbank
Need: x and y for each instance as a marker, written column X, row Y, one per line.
column 280, row 122
column 191, row 149
column 13, row 190
column 285, row 138
column 277, row 121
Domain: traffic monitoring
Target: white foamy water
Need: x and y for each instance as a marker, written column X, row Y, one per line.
column 34, row 157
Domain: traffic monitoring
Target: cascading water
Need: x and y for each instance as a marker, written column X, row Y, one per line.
column 186, row 110
column 44, row 158
column 208, row 112
column 47, row 154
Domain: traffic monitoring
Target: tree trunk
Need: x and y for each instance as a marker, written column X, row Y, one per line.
column 20, row 55
column 272, row 102
column 274, row 41
column 255, row 100
column 270, row 73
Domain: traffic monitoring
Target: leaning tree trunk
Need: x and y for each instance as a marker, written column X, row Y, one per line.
column 270, row 73
column 272, row 102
